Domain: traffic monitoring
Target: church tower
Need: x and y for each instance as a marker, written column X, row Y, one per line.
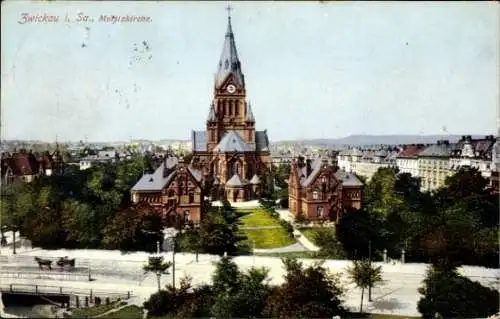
column 229, row 110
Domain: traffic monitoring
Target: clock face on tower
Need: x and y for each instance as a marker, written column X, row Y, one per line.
column 231, row 88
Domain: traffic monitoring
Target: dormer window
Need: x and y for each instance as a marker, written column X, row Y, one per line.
column 226, row 64
column 323, row 179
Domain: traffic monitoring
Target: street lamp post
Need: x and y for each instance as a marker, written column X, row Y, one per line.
column 370, row 262
column 173, row 262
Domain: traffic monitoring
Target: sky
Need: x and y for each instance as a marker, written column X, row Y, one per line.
column 312, row 70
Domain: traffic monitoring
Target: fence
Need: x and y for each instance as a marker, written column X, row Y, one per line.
column 59, row 290
column 16, row 273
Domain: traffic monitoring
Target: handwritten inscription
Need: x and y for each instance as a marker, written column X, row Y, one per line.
column 27, row 18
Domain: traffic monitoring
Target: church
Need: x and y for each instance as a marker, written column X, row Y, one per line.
column 231, row 153
column 230, row 158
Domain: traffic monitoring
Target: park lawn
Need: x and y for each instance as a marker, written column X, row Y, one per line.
column 268, row 238
column 257, row 217
column 311, row 232
column 94, row 311
column 129, row 312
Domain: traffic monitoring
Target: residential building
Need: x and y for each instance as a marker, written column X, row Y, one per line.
column 474, row 153
column 175, row 189
column 407, row 159
column 319, row 191
column 231, row 152
column 433, row 165
column 28, row 166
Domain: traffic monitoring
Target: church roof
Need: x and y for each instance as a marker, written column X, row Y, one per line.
column 234, row 181
column 232, row 142
column 261, row 141
column 250, row 117
column 199, row 141
column 255, row 180
column 229, row 62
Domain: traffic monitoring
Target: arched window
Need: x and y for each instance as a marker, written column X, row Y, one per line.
column 319, row 212
column 234, row 167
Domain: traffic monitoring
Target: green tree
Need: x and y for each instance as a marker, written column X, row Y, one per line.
column 307, row 293
column 157, row 266
column 330, row 247
column 451, row 295
column 138, row 227
column 238, row 294
column 364, row 275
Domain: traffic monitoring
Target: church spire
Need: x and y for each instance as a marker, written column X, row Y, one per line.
column 250, row 117
column 211, row 114
column 229, row 62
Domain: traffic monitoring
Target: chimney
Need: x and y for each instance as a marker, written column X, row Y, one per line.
column 308, row 167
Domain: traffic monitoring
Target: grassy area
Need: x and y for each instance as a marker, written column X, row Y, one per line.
column 94, row 311
column 129, row 312
column 268, row 238
column 311, row 232
column 293, row 254
column 256, row 218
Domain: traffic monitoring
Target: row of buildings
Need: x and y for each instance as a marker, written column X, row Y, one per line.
column 26, row 166
column 430, row 163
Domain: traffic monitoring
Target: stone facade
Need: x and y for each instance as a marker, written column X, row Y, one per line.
column 318, row 191
column 175, row 189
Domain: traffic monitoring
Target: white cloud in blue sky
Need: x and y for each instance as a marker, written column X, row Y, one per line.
column 312, row 70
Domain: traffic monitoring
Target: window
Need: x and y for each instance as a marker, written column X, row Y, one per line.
column 315, row 195
column 186, row 216
column 319, row 211
column 191, row 197
column 237, row 109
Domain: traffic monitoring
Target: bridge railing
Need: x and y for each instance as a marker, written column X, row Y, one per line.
column 59, row 290
column 45, row 274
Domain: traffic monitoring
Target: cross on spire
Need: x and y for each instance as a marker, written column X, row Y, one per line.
column 228, row 9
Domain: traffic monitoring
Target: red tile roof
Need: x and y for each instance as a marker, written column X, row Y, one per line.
column 411, row 151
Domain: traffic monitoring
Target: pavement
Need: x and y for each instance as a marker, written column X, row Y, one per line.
column 115, row 271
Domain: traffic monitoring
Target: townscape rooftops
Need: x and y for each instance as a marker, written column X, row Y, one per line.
column 438, row 150
column 411, row 151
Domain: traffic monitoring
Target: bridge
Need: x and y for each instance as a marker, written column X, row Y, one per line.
column 71, row 296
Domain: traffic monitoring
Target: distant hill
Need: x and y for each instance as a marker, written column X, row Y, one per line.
column 380, row 139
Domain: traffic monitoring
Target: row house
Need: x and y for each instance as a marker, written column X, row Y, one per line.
column 174, row 189
column 319, row 191
column 474, row 153
column 366, row 163
column 407, row 159
column 433, row 165
column 28, row 166
column 101, row 157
